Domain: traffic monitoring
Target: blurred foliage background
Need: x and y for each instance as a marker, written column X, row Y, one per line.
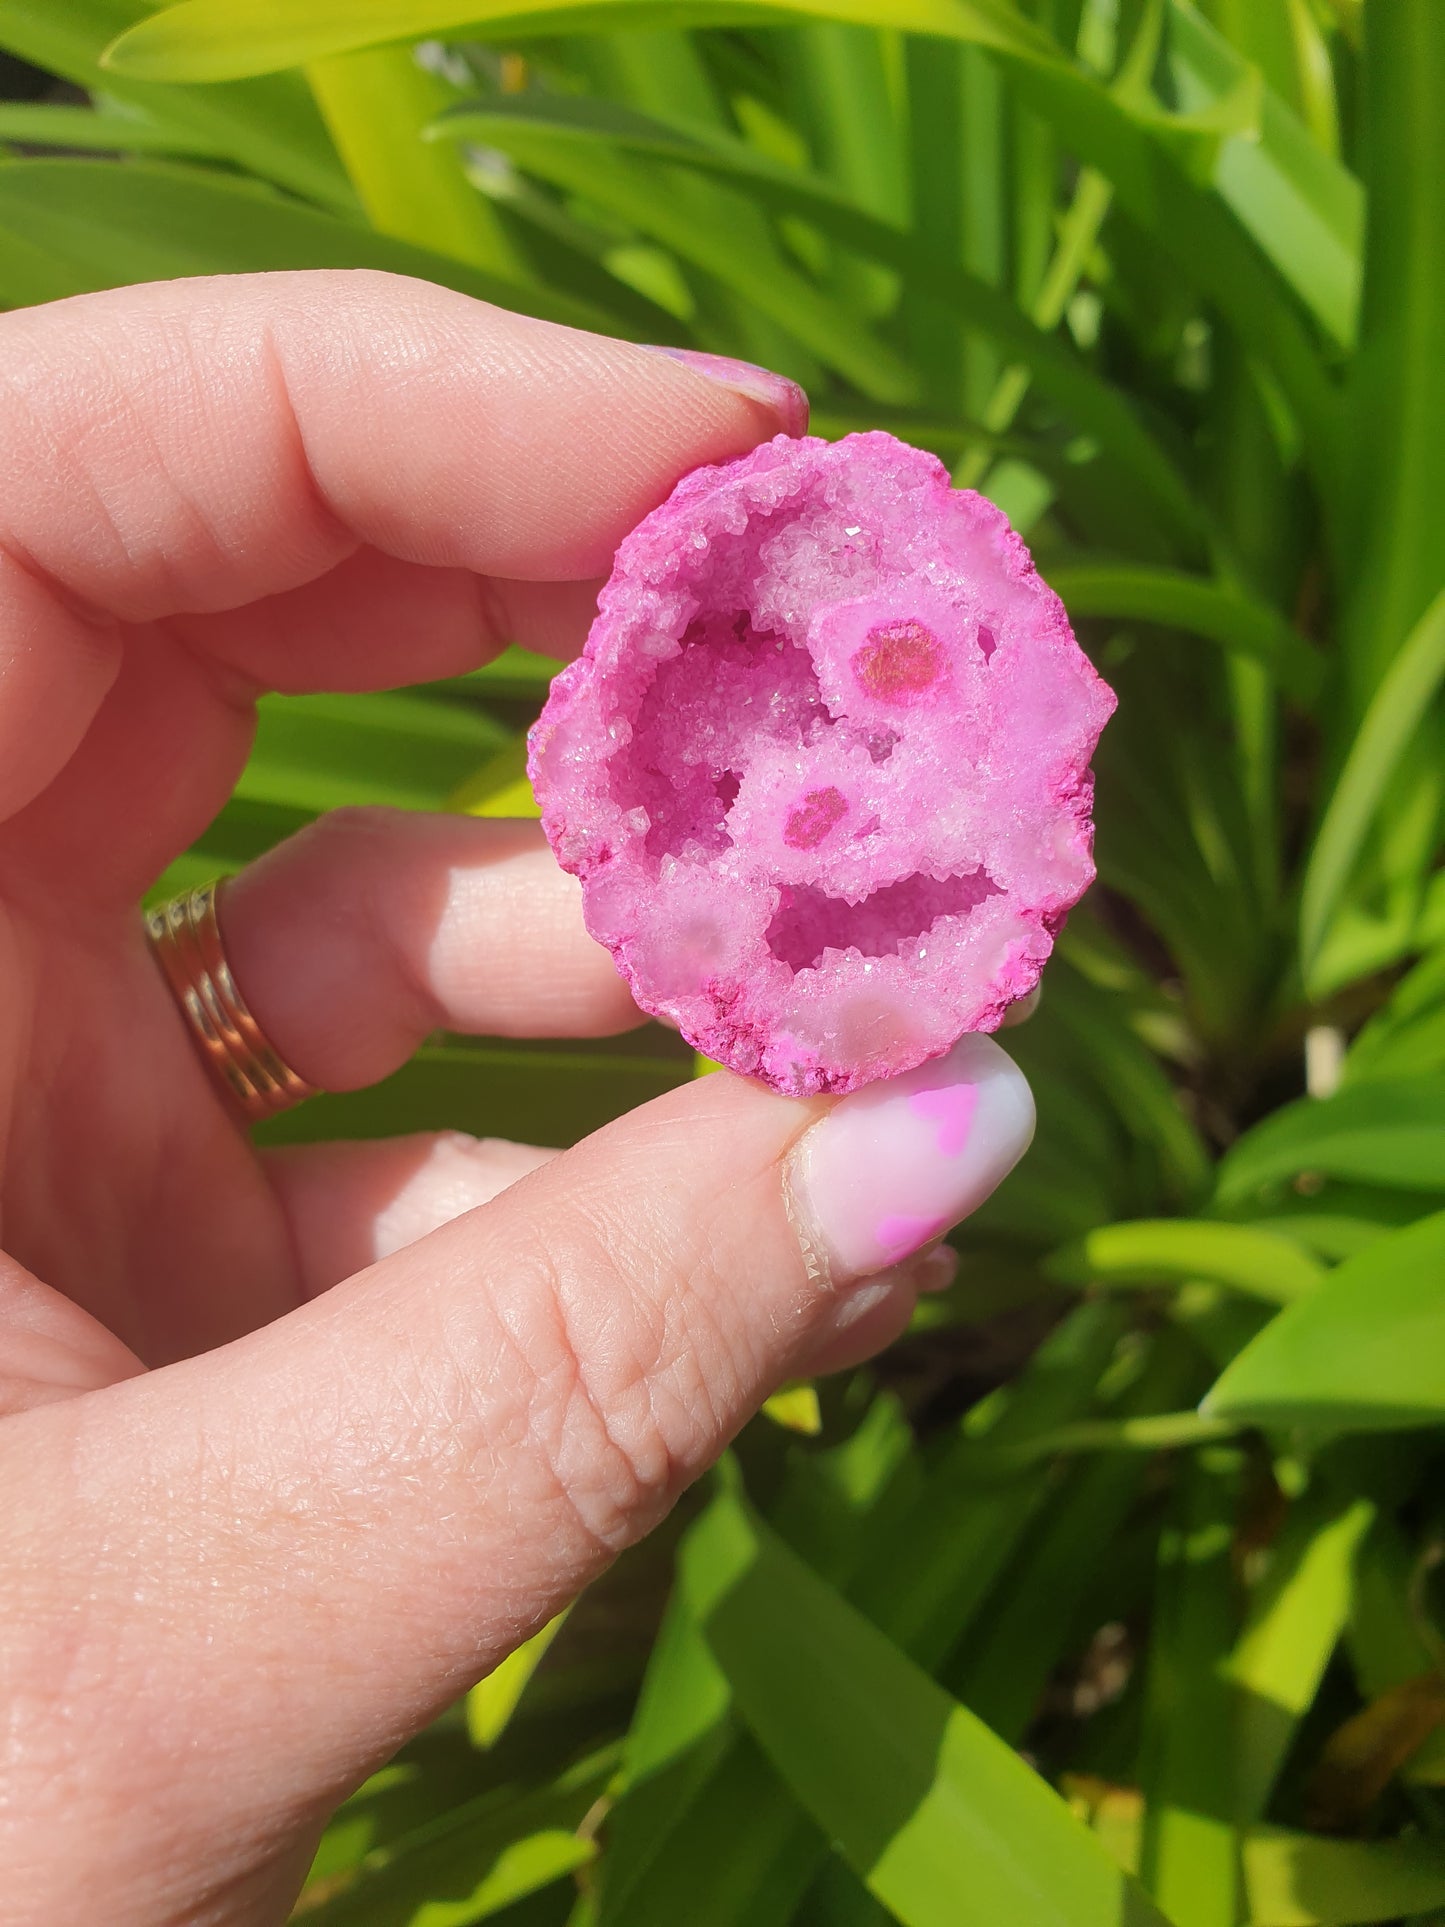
column 1111, row 1596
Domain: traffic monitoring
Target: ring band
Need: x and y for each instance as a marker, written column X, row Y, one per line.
column 186, row 939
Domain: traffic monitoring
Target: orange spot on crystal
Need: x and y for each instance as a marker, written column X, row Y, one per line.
column 810, row 821
column 899, row 661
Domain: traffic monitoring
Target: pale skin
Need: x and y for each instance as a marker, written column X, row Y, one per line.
column 293, row 1448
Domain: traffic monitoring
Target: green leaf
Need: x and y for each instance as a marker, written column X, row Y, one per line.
column 740, row 1850
column 1389, row 1132
column 1408, row 1034
column 106, row 131
column 1294, row 1624
column 1039, row 1608
column 918, row 1556
column 1394, row 715
column 218, row 39
column 1300, row 1880
column 476, row 1859
column 592, row 125
column 270, row 125
column 375, row 104
column 501, row 787
column 516, row 672
column 323, row 752
column 1389, row 1636
column 1366, row 1352
column 702, row 1829
column 1178, row 601
column 928, row 1568
column 1178, row 1250
column 1188, row 1857
column 540, row 1096
column 493, row 1700
column 1393, row 564
column 109, row 226
column 1301, row 205
column 1128, row 1072
column 1138, row 149
column 942, row 1821
column 776, row 290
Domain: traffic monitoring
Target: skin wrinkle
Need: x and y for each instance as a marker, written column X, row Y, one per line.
column 184, row 506
column 597, row 1479
column 70, row 673
column 90, row 616
column 289, row 422
column 60, row 462
column 654, row 1349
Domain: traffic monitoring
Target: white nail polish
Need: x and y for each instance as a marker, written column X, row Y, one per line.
column 890, row 1168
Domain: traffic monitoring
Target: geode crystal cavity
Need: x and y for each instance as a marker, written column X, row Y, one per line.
column 823, row 768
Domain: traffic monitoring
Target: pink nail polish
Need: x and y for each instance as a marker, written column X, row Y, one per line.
column 784, row 397
column 890, row 1168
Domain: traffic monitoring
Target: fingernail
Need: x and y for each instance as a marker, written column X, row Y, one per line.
column 1020, row 1012
column 890, row 1168
column 787, row 400
column 935, row 1270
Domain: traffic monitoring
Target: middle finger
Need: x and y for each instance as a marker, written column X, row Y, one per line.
column 354, row 940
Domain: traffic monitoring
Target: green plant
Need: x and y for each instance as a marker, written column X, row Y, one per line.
column 1167, row 283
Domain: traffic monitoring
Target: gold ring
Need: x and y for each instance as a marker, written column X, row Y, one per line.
column 186, row 939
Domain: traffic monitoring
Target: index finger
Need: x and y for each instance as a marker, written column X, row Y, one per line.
column 190, row 447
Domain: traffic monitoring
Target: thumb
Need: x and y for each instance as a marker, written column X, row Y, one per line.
column 295, row 1550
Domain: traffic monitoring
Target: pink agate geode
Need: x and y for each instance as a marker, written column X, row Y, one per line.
column 823, row 768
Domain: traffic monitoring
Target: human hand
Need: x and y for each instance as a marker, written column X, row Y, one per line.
column 296, row 1446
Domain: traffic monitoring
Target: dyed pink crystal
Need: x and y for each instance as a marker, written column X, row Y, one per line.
column 823, row 768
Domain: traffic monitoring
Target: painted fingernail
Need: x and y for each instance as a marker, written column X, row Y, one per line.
column 890, row 1168
column 784, row 397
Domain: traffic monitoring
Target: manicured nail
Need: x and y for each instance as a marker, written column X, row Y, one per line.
column 784, row 397
column 890, row 1168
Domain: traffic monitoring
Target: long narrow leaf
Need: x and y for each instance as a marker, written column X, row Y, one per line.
column 1201, row 608
column 1090, row 403
column 1392, row 719
column 108, row 226
column 945, row 1823
column 1364, row 1352
column 269, row 125
column 218, row 39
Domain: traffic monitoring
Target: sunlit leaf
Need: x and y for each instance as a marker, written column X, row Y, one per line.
column 592, row 124
column 1390, row 1132
column 107, row 226
column 1294, row 1624
column 493, row 1700
column 1393, row 717
column 942, row 1821
column 1174, row 1250
column 1364, row 1352
column 217, row 39
column 268, row 125
column 1302, row 206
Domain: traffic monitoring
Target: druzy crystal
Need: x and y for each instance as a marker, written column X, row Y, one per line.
column 823, row 767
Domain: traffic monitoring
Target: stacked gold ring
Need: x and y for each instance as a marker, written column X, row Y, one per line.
column 186, row 938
